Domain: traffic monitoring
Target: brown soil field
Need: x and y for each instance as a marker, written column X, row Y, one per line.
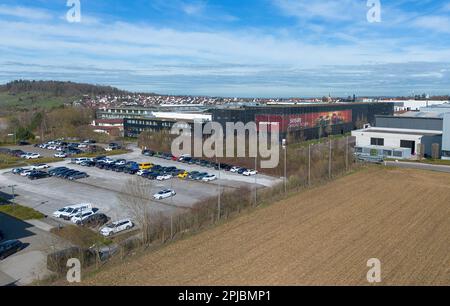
column 322, row 236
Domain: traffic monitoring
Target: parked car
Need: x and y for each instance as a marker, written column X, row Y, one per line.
column 164, row 177
column 235, row 169
column 200, row 176
column 209, row 178
column 183, row 175
column 36, row 175
column 33, row 156
column 120, row 162
column 77, row 176
column 80, row 217
column 250, row 172
column 74, row 210
column 164, row 194
column 26, row 172
column 148, row 153
column 116, row 227
column 18, row 170
column 96, row 220
column 60, row 155
column 10, row 247
column 242, row 170
column 39, row 167
column 59, row 212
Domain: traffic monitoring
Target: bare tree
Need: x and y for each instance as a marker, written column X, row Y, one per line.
column 135, row 198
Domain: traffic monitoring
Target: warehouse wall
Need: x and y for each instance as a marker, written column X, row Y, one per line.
column 416, row 123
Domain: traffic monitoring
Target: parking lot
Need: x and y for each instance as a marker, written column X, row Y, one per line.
column 105, row 189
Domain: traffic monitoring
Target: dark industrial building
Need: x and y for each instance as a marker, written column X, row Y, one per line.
column 307, row 121
column 299, row 122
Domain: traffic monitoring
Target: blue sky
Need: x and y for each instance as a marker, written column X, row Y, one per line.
column 246, row 48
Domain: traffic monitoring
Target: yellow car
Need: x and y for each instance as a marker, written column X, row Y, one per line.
column 145, row 166
column 183, row 175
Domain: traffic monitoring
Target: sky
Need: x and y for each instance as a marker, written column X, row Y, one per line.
column 233, row 48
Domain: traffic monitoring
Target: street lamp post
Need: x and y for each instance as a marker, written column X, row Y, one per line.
column 13, row 192
column 284, row 143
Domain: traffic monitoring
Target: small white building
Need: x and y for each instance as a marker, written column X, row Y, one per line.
column 392, row 142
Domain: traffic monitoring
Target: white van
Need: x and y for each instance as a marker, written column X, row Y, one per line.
column 74, row 210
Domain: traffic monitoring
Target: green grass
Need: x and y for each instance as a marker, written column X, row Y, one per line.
column 31, row 99
column 81, row 236
column 20, row 212
column 7, row 161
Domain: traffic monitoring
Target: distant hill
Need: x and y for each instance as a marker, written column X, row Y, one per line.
column 30, row 94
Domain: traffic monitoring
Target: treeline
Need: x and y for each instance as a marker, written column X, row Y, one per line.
column 58, row 88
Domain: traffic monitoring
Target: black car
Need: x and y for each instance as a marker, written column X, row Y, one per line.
column 1, row 236
column 88, row 163
column 148, row 153
column 36, row 175
column 77, row 176
column 10, row 247
column 23, row 143
column 96, row 220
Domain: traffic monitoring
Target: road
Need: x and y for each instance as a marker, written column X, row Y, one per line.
column 419, row 166
column 30, row 263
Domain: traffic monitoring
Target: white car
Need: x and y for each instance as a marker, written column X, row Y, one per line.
column 250, row 172
column 39, row 167
column 25, row 155
column 52, row 147
column 58, row 213
column 235, row 169
column 109, row 161
column 82, row 216
column 164, row 177
column 33, row 156
column 209, row 178
column 26, row 172
column 164, row 194
column 82, row 146
column 116, row 227
column 60, row 155
column 141, row 172
column 74, row 210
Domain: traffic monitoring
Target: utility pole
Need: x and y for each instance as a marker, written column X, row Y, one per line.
column 285, row 165
column 219, row 193
column 346, row 154
column 329, row 161
column 256, row 182
column 13, row 192
column 309, row 165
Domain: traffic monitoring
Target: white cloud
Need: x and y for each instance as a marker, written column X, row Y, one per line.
column 434, row 23
column 24, row 12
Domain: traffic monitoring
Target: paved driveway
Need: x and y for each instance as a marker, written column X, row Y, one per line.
column 29, row 264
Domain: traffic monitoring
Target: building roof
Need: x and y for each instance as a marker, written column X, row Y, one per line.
column 401, row 131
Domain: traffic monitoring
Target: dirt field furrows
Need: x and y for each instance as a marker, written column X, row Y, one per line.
column 323, row 236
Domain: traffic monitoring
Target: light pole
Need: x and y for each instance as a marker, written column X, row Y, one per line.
column 219, row 193
column 284, row 143
column 13, row 192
